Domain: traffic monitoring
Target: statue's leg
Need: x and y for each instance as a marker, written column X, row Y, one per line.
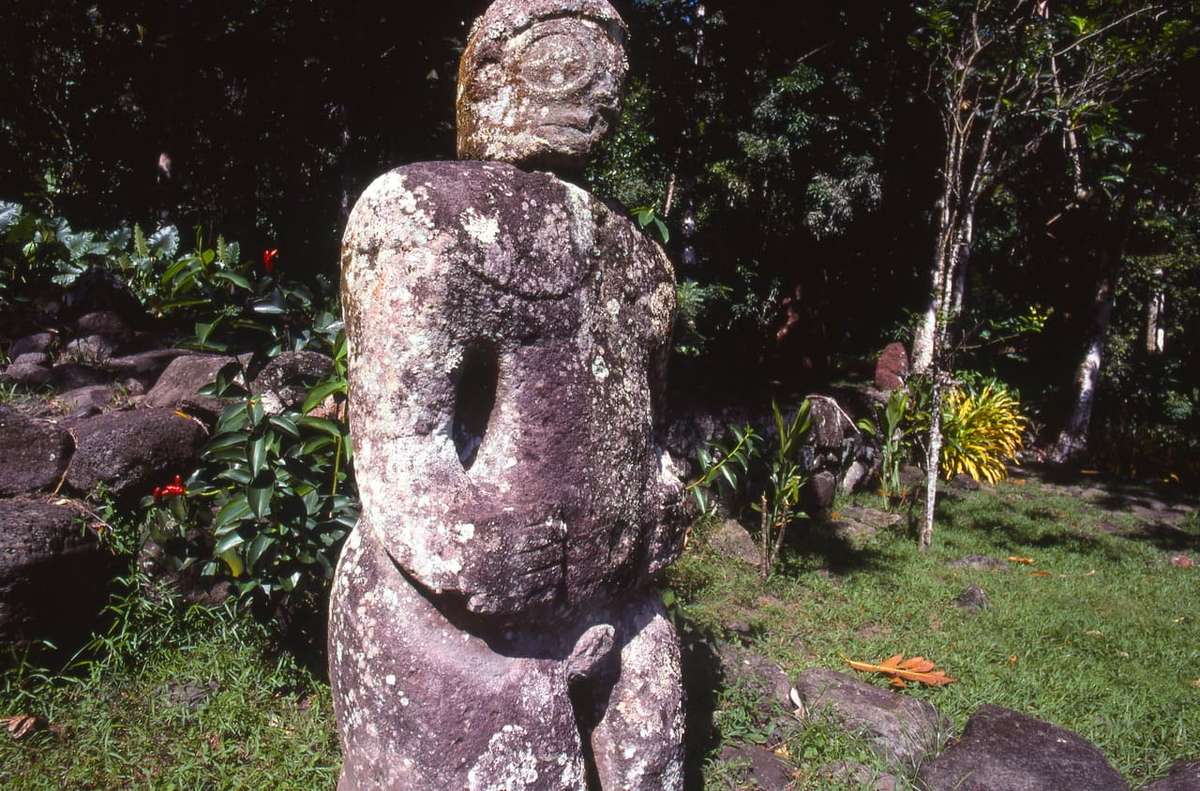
column 423, row 705
column 638, row 741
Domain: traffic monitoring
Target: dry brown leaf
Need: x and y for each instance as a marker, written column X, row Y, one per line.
column 1040, row 574
column 1196, row 683
column 1182, row 562
column 1012, row 661
column 901, row 670
column 1020, row 561
column 21, row 725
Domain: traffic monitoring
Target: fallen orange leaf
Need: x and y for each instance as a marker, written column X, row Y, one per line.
column 1021, row 561
column 22, row 725
column 901, row 670
column 1012, row 660
column 1040, row 574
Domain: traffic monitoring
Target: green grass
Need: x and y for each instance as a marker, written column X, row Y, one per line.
column 1108, row 645
column 1112, row 655
column 254, row 719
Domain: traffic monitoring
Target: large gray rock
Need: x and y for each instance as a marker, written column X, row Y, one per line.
column 285, row 381
column 27, row 375
column 32, row 358
column 1184, row 776
column 53, row 572
column 492, row 625
column 72, row 376
column 144, row 366
column 39, row 342
column 104, row 323
column 1001, row 750
column 91, row 349
column 902, row 729
column 730, row 540
column 33, row 454
column 180, row 384
column 760, row 678
column 86, row 400
column 131, row 452
column 759, row 767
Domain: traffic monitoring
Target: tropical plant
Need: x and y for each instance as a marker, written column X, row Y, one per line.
column 892, row 428
column 983, row 429
column 281, row 485
column 770, row 483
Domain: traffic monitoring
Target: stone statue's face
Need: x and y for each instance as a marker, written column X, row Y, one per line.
column 544, row 95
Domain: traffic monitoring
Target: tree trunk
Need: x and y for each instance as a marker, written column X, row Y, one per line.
column 1156, row 335
column 1072, row 441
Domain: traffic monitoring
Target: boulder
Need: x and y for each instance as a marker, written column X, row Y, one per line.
column 855, row 525
column 828, row 425
column 91, row 349
column 1184, row 776
column 731, row 540
column 39, row 342
column 759, row 766
column 103, row 323
column 53, row 572
column 131, row 452
column 33, row 454
column 32, row 358
column 285, row 381
column 26, row 375
column 1002, row 750
column 891, row 370
column 857, row 473
column 764, row 680
column 848, row 774
column 819, row 493
column 973, row 598
column 146, row 367
column 179, row 385
column 979, row 563
column 901, row 729
column 72, row 376
column 92, row 397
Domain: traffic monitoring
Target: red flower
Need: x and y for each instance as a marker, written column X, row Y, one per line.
column 173, row 489
column 269, row 257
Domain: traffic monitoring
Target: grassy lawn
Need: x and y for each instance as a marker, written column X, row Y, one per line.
column 1108, row 645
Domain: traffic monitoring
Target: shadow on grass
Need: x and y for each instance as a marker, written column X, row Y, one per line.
column 814, row 543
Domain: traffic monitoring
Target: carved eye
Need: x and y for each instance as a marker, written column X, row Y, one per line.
column 557, row 62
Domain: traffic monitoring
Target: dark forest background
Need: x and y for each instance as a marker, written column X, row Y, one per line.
column 794, row 151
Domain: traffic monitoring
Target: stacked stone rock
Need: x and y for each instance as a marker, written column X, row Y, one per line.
column 493, row 623
column 105, row 408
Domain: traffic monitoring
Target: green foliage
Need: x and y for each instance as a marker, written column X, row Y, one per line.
column 892, row 427
column 765, row 475
column 982, row 431
column 280, row 485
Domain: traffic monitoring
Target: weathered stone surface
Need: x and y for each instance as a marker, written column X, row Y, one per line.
column 848, row 774
column 285, row 381
column 1184, row 776
column 145, row 366
column 491, row 622
column 423, row 704
column 33, row 454
column 131, row 452
column 102, row 322
column 53, row 572
column 1001, row 750
column 900, row 728
column 72, row 376
column 760, row 767
column 891, row 370
column 764, row 680
column 856, row 474
column 733, row 541
column 92, row 349
column 32, row 358
column 819, row 493
column 179, row 385
column 509, row 338
column 828, row 425
column 973, row 598
column 39, row 342
column 94, row 397
column 26, row 375
column 540, row 82
column 979, row 563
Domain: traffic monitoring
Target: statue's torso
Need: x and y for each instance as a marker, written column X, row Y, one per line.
column 461, row 276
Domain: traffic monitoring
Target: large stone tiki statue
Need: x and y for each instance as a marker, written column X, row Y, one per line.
column 493, row 625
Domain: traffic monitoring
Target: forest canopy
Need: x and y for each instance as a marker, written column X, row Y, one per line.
column 814, row 169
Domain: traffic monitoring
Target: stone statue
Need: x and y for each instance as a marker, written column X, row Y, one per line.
column 493, row 624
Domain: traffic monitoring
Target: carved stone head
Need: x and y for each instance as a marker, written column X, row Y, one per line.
column 540, row 82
